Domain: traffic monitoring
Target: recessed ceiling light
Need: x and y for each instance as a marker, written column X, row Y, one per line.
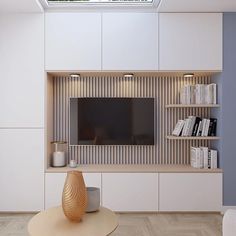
column 129, row 75
column 188, row 75
column 73, row 75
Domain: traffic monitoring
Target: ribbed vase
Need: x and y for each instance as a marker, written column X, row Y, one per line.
column 74, row 197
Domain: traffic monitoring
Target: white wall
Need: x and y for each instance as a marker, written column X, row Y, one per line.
column 22, row 111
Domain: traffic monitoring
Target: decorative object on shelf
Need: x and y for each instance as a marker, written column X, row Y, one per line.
column 93, row 199
column 74, row 197
column 73, row 163
column 59, row 154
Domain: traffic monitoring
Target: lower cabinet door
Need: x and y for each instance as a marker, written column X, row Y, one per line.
column 190, row 191
column 130, row 191
column 54, row 183
column 21, row 170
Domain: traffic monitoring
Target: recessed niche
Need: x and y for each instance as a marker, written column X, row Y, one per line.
column 164, row 88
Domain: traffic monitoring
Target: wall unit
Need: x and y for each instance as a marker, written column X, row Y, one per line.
column 21, row 175
column 130, row 191
column 130, row 41
column 145, row 188
column 73, row 41
column 54, row 183
column 190, row 41
column 190, row 191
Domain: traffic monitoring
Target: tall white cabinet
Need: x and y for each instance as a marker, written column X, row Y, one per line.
column 190, row 41
column 72, row 41
column 130, row 41
column 22, row 112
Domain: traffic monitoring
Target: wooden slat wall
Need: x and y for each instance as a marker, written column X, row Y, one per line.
column 166, row 91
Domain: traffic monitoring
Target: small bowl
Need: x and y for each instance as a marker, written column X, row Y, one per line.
column 73, row 163
column 93, row 199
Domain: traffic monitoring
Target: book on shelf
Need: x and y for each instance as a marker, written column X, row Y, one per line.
column 198, row 94
column 195, row 126
column 203, row 157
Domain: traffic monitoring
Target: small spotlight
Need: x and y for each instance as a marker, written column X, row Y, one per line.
column 128, row 76
column 188, row 75
column 73, row 75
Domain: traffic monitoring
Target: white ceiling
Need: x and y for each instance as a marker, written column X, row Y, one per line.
column 20, row 6
column 165, row 6
column 197, row 6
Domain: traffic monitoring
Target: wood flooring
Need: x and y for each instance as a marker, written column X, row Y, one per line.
column 161, row 224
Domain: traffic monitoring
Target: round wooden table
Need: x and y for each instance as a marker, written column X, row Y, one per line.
column 52, row 222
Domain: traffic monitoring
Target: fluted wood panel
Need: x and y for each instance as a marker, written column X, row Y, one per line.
column 164, row 89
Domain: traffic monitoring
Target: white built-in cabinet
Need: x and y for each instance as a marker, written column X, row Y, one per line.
column 72, row 41
column 147, row 192
column 22, row 70
column 130, row 41
column 133, row 41
column 54, row 183
column 130, row 191
column 22, row 112
column 21, row 171
column 190, row 41
column 190, row 191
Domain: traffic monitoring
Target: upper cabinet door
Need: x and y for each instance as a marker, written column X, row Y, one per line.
column 73, row 41
column 22, row 70
column 130, row 41
column 191, row 41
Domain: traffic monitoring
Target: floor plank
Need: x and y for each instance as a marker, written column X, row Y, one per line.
column 161, row 224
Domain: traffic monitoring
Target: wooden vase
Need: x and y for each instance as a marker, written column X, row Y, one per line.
column 74, row 197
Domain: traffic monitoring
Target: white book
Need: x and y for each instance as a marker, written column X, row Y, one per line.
column 193, row 157
column 178, row 128
column 205, row 157
column 186, row 123
column 203, row 94
column 193, row 95
column 188, row 127
column 203, row 126
column 214, row 93
column 193, row 120
column 197, row 93
column 182, row 95
column 207, row 127
column 213, row 159
column 208, row 94
column 198, row 158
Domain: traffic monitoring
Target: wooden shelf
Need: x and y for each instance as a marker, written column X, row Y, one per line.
column 192, row 137
column 192, row 106
column 132, row 169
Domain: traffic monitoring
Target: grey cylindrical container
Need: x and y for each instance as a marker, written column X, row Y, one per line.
column 93, row 199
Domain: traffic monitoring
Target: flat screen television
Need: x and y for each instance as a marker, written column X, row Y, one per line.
column 111, row 121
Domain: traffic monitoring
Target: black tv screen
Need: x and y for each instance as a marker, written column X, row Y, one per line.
column 111, row 121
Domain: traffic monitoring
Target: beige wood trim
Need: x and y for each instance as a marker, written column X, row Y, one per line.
column 165, row 89
column 134, row 169
column 192, row 137
column 192, row 105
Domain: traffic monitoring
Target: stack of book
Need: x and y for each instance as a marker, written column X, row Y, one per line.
column 203, row 157
column 195, row 126
column 198, row 94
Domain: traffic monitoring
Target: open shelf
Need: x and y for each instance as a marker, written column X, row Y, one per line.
column 192, row 105
column 171, row 137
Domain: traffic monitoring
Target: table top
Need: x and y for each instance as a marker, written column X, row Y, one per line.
column 53, row 222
